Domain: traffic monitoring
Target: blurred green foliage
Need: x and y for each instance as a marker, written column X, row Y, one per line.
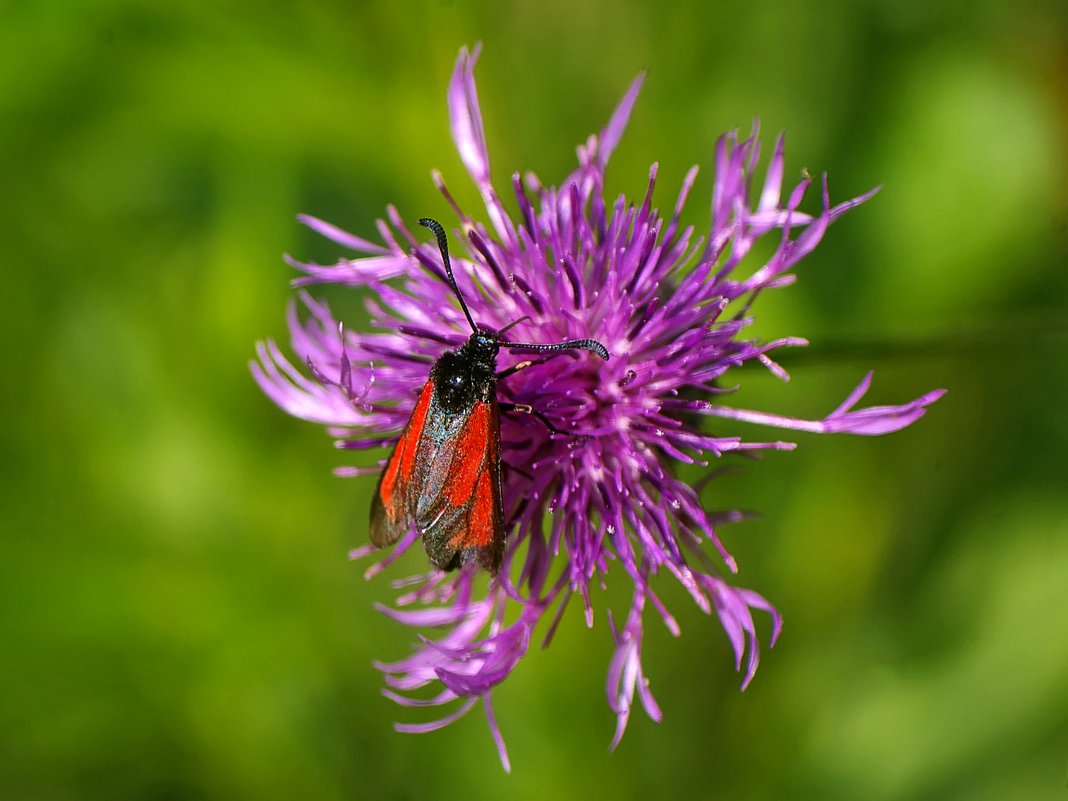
column 178, row 617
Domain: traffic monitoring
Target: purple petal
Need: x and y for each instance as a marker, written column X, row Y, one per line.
column 344, row 238
column 441, row 723
column 468, row 133
column 299, row 396
column 872, row 421
column 465, row 117
column 613, row 132
column 495, row 730
column 769, row 197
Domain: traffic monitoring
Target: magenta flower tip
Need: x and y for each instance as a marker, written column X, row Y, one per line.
column 670, row 303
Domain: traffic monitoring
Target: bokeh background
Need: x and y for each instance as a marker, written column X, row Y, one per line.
column 178, row 619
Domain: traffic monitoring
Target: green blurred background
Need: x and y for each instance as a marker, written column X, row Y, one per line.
column 178, row 618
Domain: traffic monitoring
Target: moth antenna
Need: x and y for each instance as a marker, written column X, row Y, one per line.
column 514, row 323
column 592, row 345
column 443, row 246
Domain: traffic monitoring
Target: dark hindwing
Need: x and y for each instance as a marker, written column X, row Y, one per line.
column 444, row 476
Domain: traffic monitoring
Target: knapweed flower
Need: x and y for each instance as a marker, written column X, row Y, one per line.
column 671, row 304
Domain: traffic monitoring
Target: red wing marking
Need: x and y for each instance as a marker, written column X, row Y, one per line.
column 402, row 462
column 444, row 476
column 481, row 525
column 463, row 520
column 470, row 456
column 476, row 525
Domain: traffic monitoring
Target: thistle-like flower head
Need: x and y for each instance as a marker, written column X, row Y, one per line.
column 671, row 305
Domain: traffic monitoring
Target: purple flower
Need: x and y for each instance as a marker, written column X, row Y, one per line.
column 671, row 305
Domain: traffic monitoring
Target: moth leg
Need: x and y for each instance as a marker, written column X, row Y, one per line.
column 524, row 408
column 515, row 368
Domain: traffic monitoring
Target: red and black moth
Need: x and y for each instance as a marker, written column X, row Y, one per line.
column 444, row 475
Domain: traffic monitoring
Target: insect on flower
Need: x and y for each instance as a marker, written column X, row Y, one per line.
column 444, row 475
column 672, row 301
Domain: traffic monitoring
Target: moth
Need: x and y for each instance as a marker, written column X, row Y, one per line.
column 444, row 475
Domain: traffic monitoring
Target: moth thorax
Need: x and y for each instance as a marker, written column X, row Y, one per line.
column 467, row 376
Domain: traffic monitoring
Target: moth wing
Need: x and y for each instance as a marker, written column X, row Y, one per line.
column 392, row 507
column 459, row 510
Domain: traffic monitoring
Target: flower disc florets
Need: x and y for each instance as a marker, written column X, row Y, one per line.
column 670, row 305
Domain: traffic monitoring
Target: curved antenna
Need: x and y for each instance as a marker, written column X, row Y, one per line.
column 592, row 345
column 514, row 323
column 443, row 246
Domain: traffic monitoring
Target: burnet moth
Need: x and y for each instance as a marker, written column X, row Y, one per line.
column 444, row 475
